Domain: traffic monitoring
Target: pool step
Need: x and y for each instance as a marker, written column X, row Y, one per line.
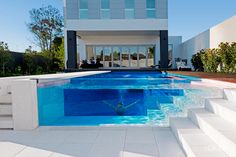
column 230, row 94
column 5, row 98
column 193, row 140
column 6, row 122
column 224, row 108
column 221, row 131
column 5, row 109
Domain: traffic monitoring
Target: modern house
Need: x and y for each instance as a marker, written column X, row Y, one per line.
column 118, row 33
column 131, row 34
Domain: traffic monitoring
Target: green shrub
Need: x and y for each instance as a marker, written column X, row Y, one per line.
column 210, row 60
column 197, row 62
column 227, row 54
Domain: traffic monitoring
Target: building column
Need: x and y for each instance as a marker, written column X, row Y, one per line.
column 71, row 50
column 164, row 61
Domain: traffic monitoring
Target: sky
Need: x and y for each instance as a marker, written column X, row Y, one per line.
column 187, row 18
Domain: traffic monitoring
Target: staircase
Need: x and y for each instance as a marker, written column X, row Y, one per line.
column 6, row 120
column 209, row 131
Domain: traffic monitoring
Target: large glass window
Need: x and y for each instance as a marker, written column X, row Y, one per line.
column 151, row 8
column 90, row 54
column 142, row 56
column 107, row 57
column 129, row 9
column 121, row 56
column 150, row 59
column 125, row 57
column 83, row 9
column 105, row 9
column 99, row 54
column 116, row 57
column 133, row 56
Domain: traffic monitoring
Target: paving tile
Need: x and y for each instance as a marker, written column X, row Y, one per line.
column 106, row 150
column 115, row 128
column 140, row 137
column 73, row 128
column 140, row 150
column 139, row 128
column 89, row 142
column 60, row 155
column 165, row 139
column 21, row 137
column 111, row 136
column 82, row 137
column 161, row 128
column 8, row 149
column 34, row 152
column 77, row 150
column 44, row 146
column 51, row 137
column 5, row 135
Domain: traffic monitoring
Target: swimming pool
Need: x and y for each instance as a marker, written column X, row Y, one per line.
column 116, row 98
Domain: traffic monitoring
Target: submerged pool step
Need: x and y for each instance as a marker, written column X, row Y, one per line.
column 193, row 140
column 221, row 131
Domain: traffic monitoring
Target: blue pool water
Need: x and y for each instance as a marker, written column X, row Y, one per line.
column 112, row 98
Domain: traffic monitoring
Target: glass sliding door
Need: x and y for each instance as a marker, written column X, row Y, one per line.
column 134, row 56
column 90, row 54
column 99, row 54
column 116, row 56
column 142, row 56
column 107, row 57
column 125, row 57
column 150, row 57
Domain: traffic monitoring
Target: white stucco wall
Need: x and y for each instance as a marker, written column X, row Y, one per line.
column 176, row 41
column 117, row 25
column 223, row 32
column 194, row 45
column 118, row 40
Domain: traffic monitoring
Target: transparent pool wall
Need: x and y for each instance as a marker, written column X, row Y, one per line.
column 52, row 101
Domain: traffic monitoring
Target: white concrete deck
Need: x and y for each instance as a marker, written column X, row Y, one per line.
column 90, row 142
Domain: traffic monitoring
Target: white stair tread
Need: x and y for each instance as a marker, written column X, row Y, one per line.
column 224, row 103
column 230, row 94
column 226, row 128
column 5, row 98
column 194, row 141
column 6, row 122
column 5, row 109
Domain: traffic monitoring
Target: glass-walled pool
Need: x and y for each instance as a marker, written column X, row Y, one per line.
column 118, row 98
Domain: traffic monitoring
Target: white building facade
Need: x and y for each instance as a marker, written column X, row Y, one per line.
column 118, row 33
